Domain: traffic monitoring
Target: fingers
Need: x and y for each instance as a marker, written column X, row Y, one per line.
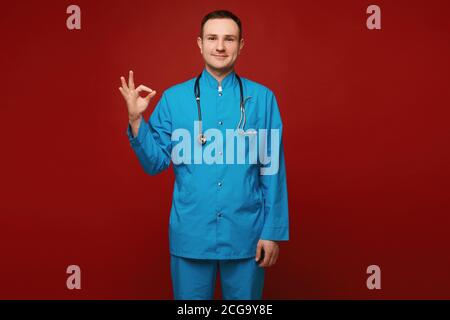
column 270, row 255
column 125, row 89
column 124, row 84
column 258, row 251
column 267, row 257
column 131, row 81
column 122, row 91
column 143, row 88
column 150, row 95
column 274, row 258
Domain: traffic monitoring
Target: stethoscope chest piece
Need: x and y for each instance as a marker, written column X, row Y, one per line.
column 202, row 138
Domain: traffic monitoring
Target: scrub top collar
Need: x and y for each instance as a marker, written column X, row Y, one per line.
column 228, row 82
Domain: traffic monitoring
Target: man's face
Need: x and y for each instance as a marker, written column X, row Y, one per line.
column 220, row 45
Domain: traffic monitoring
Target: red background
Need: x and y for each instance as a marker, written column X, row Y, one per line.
column 366, row 140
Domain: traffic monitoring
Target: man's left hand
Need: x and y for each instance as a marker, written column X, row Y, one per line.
column 271, row 251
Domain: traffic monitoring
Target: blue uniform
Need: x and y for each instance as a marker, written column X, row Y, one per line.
column 219, row 210
column 194, row 279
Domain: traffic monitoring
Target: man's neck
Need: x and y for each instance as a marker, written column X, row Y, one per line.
column 219, row 75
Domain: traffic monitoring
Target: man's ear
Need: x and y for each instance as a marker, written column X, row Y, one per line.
column 241, row 44
column 199, row 43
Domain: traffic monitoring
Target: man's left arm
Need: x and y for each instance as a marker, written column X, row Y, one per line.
column 274, row 186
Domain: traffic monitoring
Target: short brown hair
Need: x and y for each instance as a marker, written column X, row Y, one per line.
column 221, row 14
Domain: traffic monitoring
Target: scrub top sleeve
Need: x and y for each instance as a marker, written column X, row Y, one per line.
column 153, row 145
column 273, row 178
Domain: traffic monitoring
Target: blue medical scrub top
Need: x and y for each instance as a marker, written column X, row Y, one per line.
column 219, row 210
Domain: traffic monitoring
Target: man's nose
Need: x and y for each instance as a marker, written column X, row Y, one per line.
column 220, row 46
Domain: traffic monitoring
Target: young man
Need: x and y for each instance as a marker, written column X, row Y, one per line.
column 228, row 209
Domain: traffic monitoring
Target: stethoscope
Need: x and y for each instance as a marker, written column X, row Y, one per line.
column 242, row 119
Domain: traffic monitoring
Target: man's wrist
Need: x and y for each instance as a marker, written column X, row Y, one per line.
column 134, row 118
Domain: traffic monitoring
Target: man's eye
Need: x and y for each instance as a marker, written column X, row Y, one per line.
column 211, row 38
column 230, row 39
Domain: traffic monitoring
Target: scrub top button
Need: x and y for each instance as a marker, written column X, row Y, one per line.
column 219, row 184
column 219, row 214
column 220, row 122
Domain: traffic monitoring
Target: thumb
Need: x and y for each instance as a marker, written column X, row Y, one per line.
column 258, row 251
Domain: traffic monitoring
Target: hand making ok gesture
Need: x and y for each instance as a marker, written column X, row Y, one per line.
column 135, row 103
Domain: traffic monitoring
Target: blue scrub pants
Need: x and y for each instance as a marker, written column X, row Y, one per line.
column 195, row 279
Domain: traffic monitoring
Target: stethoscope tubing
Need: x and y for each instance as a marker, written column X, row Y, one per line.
column 242, row 118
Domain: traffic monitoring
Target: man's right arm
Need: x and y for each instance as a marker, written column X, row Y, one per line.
column 134, row 125
column 151, row 141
